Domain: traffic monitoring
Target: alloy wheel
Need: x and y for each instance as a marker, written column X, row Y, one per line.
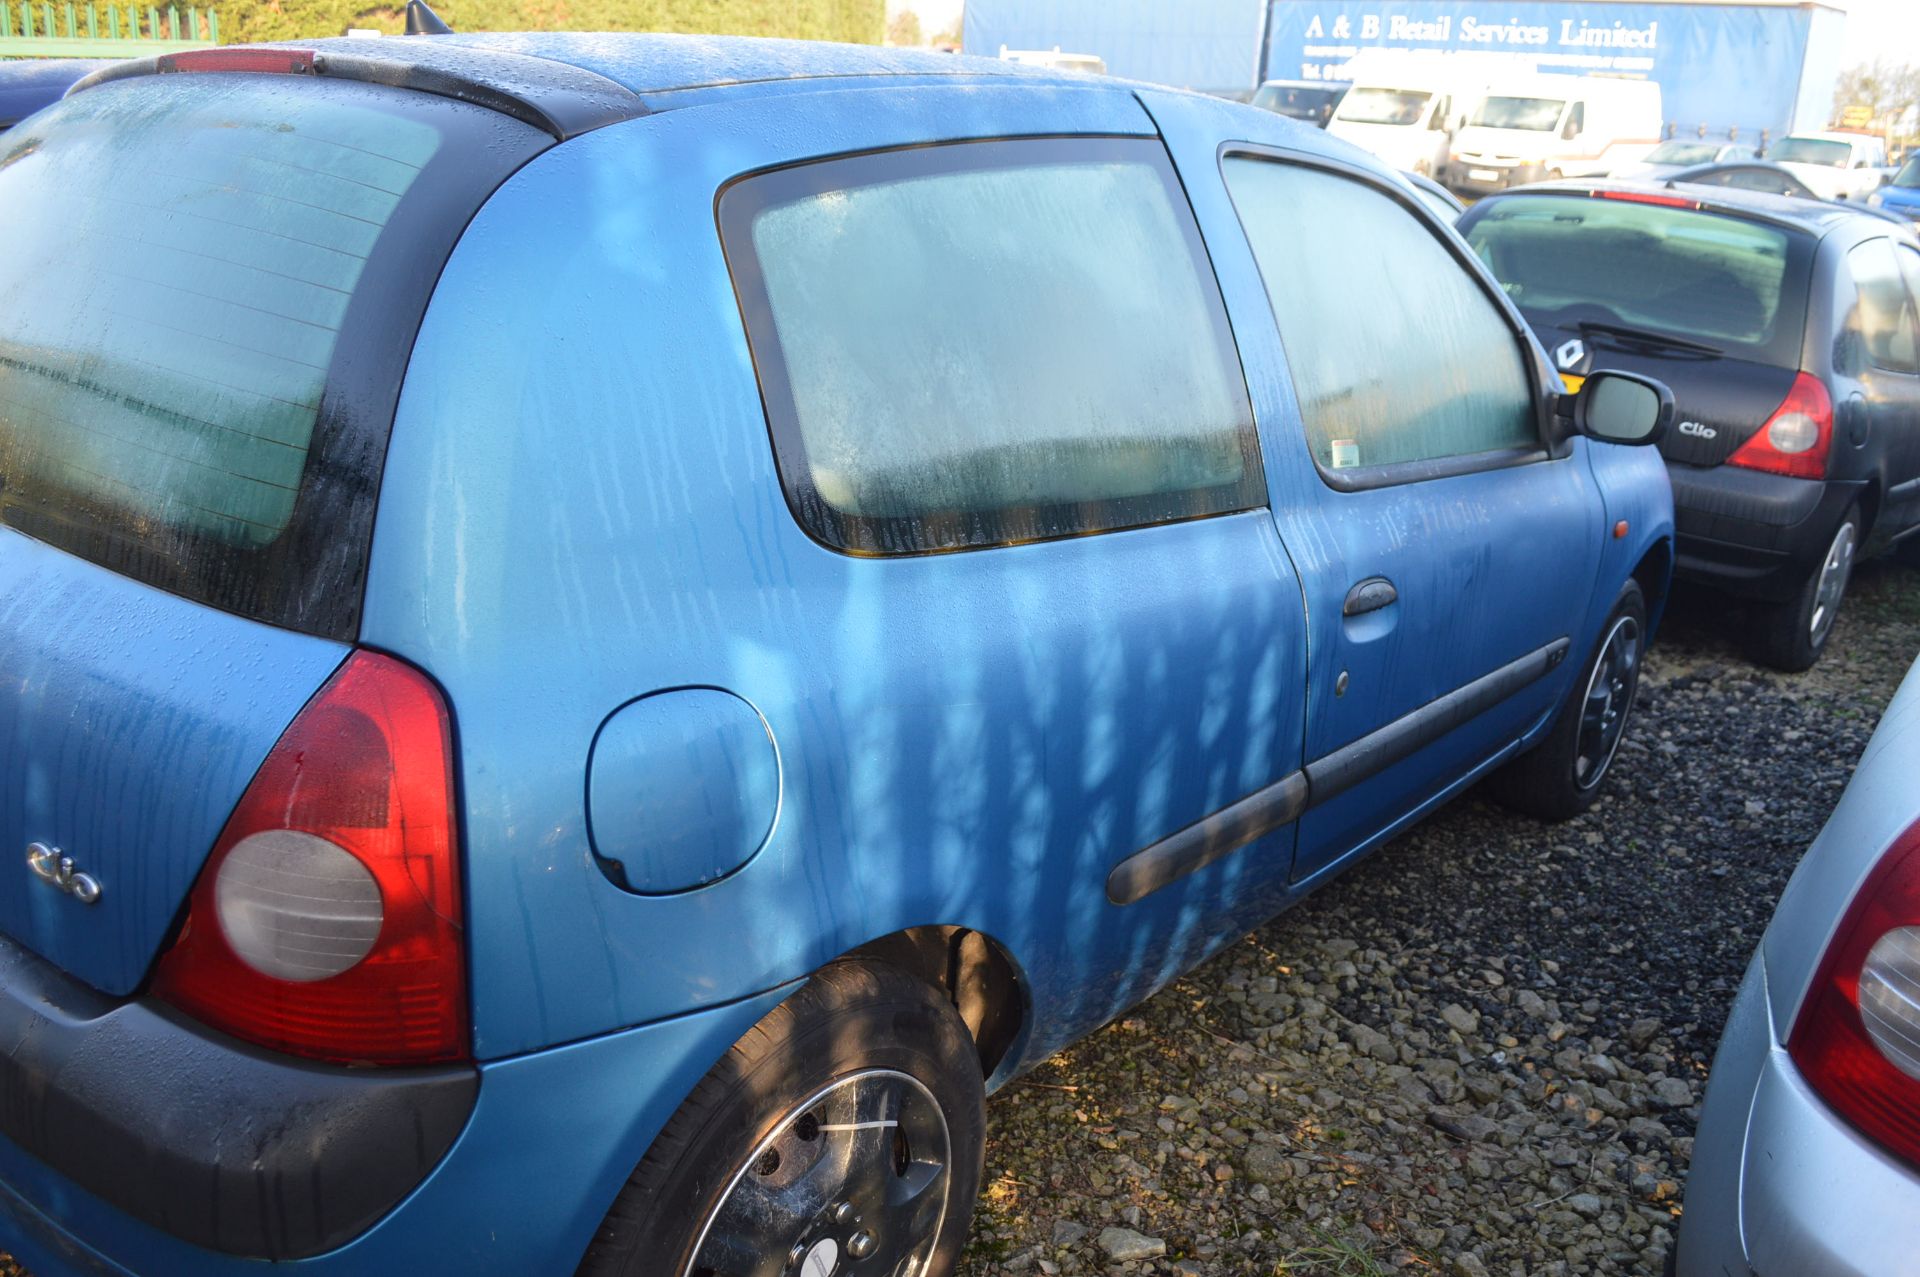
column 1609, row 696
column 1834, row 573
column 853, row 1182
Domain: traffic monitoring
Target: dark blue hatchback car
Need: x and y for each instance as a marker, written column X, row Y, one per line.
column 26, row 87
column 599, row 634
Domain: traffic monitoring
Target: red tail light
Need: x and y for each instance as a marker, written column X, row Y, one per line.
column 1857, row 1041
column 268, row 61
column 326, row 923
column 1796, row 437
column 1647, row 197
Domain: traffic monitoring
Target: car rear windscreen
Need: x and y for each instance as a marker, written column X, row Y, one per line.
column 1721, row 281
column 192, row 284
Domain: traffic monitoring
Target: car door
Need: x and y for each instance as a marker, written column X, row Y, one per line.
column 1880, row 350
column 1903, row 422
column 1447, row 558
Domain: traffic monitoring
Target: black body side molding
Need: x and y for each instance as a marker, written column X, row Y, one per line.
column 1260, row 813
column 1334, row 774
column 1207, row 839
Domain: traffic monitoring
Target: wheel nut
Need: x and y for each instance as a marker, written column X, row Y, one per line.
column 860, row 1245
column 844, row 1213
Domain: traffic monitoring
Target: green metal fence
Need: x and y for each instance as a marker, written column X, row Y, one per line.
column 46, row 30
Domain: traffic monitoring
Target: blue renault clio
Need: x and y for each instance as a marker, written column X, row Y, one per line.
column 600, row 634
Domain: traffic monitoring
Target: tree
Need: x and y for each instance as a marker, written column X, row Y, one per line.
column 904, row 28
column 1884, row 91
column 855, row 20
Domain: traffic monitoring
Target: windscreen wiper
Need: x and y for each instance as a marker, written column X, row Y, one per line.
column 1648, row 337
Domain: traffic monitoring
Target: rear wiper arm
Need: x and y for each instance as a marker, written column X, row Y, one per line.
column 1648, row 337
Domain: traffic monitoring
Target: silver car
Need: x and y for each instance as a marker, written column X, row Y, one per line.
column 1807, row 1160
column 1676, row 153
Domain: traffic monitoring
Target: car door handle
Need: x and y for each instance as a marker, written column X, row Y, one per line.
column 1370, row 595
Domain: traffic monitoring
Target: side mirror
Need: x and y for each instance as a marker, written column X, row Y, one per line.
column 1571, row 131
column 1621, row 407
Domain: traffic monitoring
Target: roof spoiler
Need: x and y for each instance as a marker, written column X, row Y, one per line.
column 554, row 97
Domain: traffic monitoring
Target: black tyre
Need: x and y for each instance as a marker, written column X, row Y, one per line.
column 1790, row 636
column 842, row 1135
column 1561, row 776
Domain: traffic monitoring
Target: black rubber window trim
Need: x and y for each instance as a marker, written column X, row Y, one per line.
column 744, row 197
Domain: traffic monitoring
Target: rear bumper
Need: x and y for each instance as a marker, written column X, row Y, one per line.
column 542, row 1144
column 1750, row 533
column 190, row 1131
column 1779, row 1186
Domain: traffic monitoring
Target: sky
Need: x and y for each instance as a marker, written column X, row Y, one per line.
column 1882, row 28
column 1888, row 29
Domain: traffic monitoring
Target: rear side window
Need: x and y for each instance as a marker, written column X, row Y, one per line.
column 1724, row 281
column 1883, row 317
column 204, row 316
column 1397, row 354
column 984, row 343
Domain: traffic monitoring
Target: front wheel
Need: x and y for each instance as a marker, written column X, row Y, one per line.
column 843, row 1136
column 1560, row 777
column 1790, row 636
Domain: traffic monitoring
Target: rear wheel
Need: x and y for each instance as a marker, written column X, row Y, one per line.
column 1560, row 777
column 842, row 1136
column 1790, row 636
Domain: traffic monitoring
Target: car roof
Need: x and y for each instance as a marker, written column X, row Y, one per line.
column 651, row 63
column 568, row 83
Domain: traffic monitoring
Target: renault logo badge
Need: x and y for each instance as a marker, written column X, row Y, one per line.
column 1567, row 355
column 57, row 871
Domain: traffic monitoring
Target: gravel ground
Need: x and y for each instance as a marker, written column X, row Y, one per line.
column 1482, row 1051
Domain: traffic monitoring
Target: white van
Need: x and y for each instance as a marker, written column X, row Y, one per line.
column 1542, row 127
column 1404, row 107
column 1837, row 166
column 1054, row 59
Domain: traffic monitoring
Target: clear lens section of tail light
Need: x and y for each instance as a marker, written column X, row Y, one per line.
column 1890, row 998
column 1793, row 432
column 295, row 906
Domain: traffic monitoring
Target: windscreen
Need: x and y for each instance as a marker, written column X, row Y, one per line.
column 1909, row 174
column 1382, row 106
column 1722, row 281
column 1809, row 150
column 183, row 256
column 1533, row 114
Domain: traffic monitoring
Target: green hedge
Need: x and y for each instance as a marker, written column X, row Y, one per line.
column 853, row 20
